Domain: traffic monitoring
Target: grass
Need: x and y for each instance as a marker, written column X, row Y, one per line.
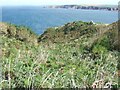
column 57, row 65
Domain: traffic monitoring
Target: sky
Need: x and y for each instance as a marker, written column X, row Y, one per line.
column 57, row 2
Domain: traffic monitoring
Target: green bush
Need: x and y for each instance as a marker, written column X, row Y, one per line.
column 99, row 49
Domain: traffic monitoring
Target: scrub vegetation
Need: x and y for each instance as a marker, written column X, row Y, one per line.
column 75, row 55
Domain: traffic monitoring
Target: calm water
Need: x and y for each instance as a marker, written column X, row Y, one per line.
column 39, row 19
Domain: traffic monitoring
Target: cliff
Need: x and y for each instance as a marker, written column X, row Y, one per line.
column 88, row 7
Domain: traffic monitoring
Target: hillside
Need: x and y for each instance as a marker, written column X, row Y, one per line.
column 75, row 55
column 80, row 31
column 20, row 33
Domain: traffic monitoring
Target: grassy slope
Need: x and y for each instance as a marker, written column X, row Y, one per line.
column 74, row 55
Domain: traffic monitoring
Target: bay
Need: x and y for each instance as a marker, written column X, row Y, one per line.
column 39, row 18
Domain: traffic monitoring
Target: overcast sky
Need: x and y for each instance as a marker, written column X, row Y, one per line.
column 56, row 2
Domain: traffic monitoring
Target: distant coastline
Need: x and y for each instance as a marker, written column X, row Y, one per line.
column 86, row 7
column 39, row 18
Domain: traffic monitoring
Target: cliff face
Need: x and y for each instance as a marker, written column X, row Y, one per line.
column 88, row 7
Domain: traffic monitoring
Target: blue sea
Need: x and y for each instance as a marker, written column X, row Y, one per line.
column 39, row 18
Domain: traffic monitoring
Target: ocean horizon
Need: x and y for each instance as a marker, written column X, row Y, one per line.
column 39, row 18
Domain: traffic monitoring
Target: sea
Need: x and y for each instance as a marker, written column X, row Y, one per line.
column 39, row 18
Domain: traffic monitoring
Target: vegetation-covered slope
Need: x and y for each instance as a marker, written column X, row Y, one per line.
column 78, row 54
column 68, row 32
column 83, row 32
column 20, row 33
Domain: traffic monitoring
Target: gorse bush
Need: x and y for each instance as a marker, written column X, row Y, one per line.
column 99, row 49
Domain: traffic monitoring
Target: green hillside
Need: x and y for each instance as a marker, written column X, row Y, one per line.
column 75, row 55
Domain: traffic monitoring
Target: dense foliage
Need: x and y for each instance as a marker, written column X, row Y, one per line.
column 76, row 55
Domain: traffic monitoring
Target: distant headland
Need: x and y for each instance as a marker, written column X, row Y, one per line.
column 86, row 7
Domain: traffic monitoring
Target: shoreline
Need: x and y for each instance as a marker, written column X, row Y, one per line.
column 77, row 7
